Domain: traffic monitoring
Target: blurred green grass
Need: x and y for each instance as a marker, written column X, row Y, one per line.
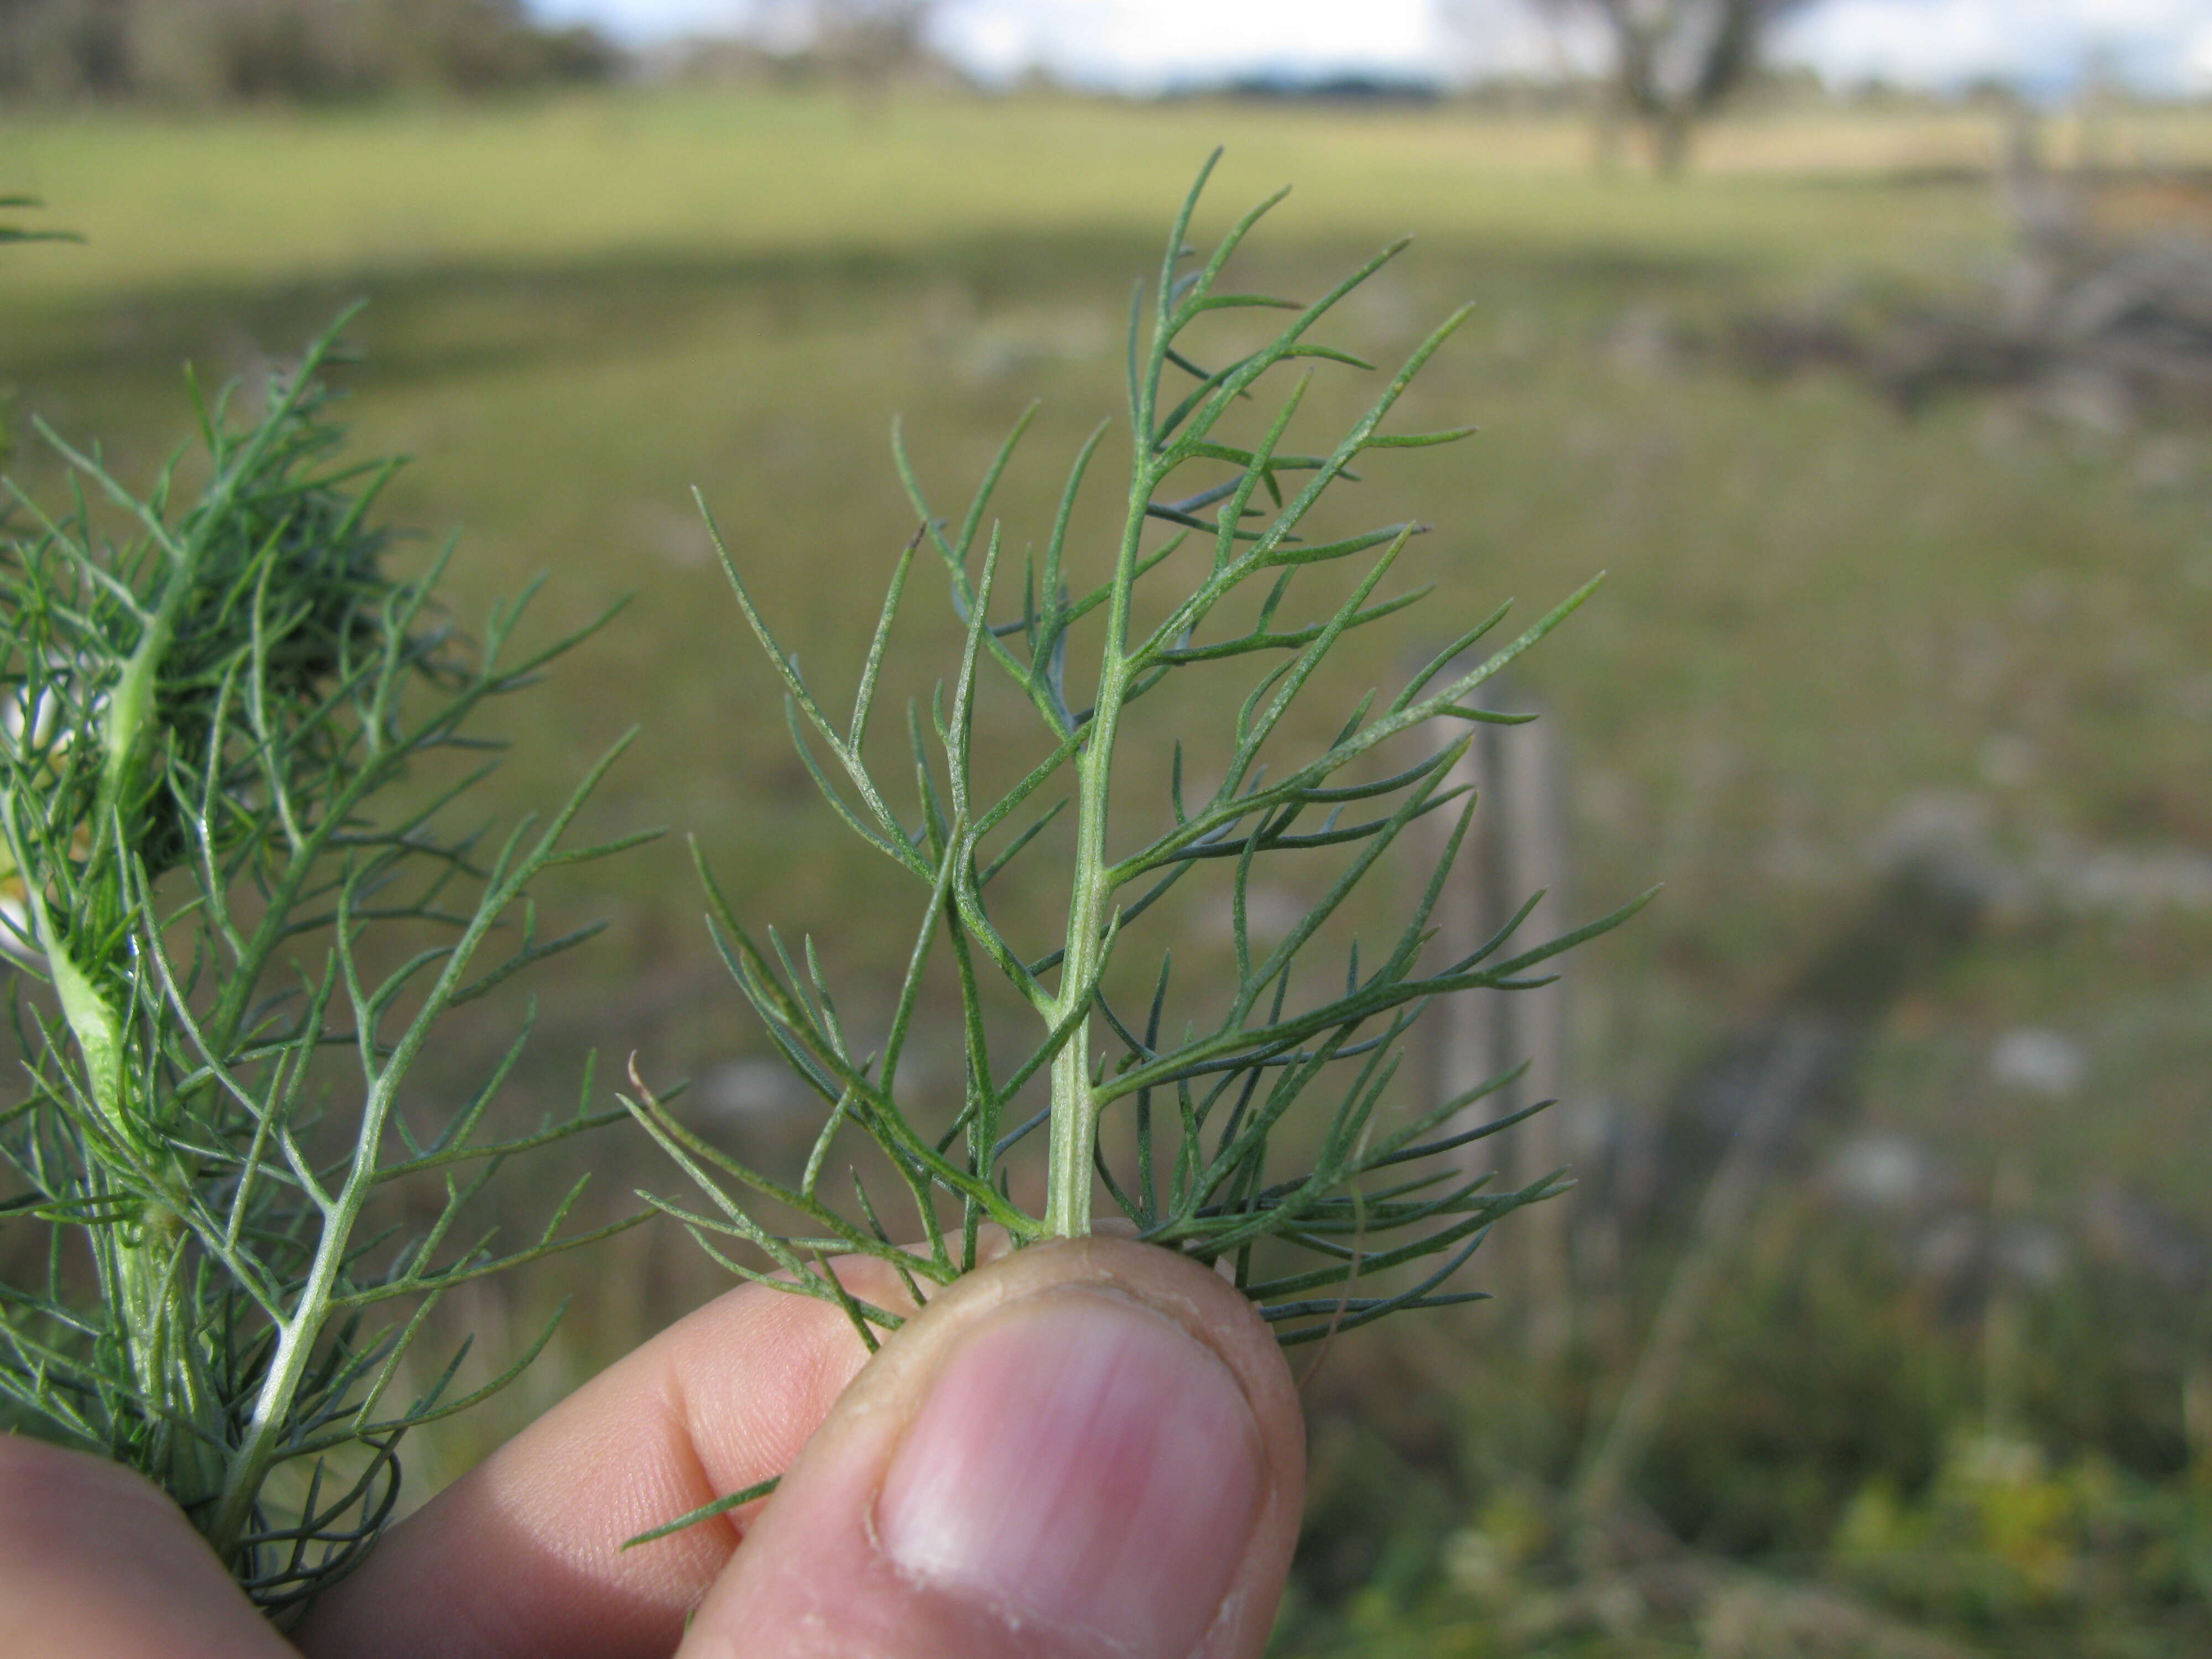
column 253, row 198
column 1821, row 611
column 579, row 309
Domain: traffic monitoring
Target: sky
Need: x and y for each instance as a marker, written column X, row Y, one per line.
column 1142, row 46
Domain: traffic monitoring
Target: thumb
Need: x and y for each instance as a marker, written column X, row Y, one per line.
column 1084, row 1451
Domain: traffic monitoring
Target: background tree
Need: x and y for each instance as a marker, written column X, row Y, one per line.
column 64, row 48
column 872, row 40
column 1666, row 64
column 1673, row 62
column 863, row 46
column 226, row 51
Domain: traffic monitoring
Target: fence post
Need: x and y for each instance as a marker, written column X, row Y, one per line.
column 1531, row 790
column 1516, row 847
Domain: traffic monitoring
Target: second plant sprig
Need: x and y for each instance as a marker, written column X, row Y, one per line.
column 1383, row 1190
column 213, row 704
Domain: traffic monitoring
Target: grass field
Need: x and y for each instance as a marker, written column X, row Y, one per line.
column 1824, row 618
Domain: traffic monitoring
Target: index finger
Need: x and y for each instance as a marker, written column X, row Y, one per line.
column 523, row 1555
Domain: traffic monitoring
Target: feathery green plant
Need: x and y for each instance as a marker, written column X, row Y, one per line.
column 1206, row 1097
column 206, row 701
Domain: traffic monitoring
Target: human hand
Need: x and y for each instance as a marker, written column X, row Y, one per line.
column 1086, row 1450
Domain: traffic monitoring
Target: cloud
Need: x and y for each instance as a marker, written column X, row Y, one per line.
column 1140, row 45
column 1494, row 40
column 2040, row 44
column 643, row 21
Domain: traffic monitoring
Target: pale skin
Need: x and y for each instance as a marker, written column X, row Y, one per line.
column 1140, row 1507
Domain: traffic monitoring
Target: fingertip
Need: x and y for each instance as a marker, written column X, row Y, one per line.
column 525, row 1553
column 97, row 1563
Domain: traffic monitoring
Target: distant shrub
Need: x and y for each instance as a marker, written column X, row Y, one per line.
column 296, row 51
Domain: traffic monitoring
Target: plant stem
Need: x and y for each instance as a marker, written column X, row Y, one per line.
column 249, row 1464
column 1075, row 1103
column 163, row 1354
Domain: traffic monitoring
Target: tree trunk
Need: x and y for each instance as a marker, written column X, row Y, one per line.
column 1669, row 131
column 1609, row 135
